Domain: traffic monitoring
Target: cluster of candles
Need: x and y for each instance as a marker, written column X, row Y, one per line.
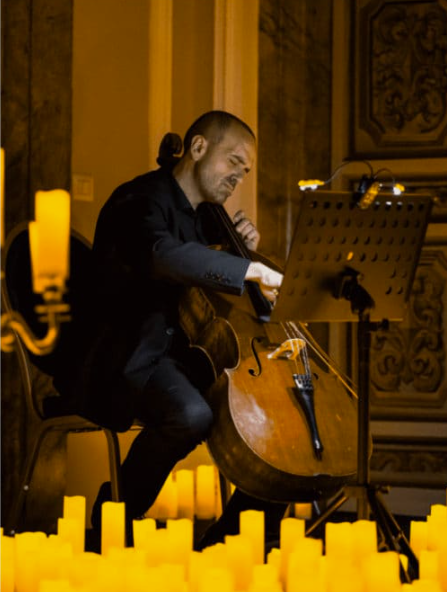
column 187, row 494
column 163, row 559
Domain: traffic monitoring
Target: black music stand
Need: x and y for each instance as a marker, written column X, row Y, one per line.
column 348, row 264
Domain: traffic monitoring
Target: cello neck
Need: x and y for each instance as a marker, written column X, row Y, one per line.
column 236, row 243
column 262, row 306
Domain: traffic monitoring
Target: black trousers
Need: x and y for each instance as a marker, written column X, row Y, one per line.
column 176, row 419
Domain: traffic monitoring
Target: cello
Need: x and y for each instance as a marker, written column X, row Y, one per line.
column 285, row 423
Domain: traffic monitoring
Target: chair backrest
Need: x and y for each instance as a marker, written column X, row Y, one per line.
column 18, row 294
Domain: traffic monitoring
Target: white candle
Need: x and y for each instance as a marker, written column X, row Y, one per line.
column 181, row 536
column 205, row 492
column 142, row 531
column 54, row 586
column 381, row 572
column 291, row 531
column 252, row 527
column 50, row 239
column 184, row 479
column 74, row 509
column 113, row 526
column 167, row 500
column 429, row 565
column 240, row 560
column 418, row 536
column 69, row 530
column 7, row 564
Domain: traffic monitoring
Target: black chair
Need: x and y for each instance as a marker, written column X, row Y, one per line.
column 53, row 413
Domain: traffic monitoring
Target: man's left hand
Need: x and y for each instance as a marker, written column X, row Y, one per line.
column 247, row 230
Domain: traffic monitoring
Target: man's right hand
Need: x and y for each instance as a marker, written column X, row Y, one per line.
column 269, row 280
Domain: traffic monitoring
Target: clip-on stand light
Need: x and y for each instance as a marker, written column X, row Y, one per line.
column 354, row 261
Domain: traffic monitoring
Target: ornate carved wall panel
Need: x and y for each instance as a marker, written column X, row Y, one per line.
column 408, row 361
column 390, row 107
column 400, row 82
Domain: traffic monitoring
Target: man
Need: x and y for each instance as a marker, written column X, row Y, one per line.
column 151, row 241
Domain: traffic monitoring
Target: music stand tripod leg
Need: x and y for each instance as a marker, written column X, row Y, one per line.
column 393, row 535
column 370, row 499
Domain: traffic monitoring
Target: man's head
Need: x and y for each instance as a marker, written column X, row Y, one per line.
column 219, row 150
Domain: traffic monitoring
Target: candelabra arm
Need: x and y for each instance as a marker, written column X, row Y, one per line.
column 13, row 325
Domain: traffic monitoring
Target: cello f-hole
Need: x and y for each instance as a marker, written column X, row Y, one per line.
column 251, row 371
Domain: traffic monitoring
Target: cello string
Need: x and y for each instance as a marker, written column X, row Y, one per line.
column 347, row 382
column 305, row 356
column 286, row 328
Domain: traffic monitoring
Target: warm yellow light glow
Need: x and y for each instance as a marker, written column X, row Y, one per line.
column 309, row 184
column 49, row 240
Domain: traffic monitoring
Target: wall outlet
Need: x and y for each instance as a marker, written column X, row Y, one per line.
column 82, row 187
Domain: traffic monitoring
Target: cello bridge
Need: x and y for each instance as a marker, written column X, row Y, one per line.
column 289, row 349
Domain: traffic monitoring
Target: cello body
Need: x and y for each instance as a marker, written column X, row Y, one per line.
column 261, row 439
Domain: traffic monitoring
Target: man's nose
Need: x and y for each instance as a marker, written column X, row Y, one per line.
column 237, row 177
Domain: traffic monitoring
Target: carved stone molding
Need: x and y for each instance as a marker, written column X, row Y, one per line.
column 400, row 82
column 421, row 466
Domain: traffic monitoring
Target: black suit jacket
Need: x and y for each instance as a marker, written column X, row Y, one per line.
column 149, row 244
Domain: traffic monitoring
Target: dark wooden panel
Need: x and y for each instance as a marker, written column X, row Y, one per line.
column 36, row 136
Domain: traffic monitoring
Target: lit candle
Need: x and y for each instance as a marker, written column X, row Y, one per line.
column 274, row 559
column 291, row 531
column 28, row 553
column 265, row 579
column 74, row 509
column 429, row 565
column 7, row 563
column 304, row 564
column 142, row 531
column 84, row 568
column 205, row 492
column 418, row 536
column 364, row 539
column 110, row 577
column 144, row 579
column 195, row 565
column 185, row 490
column 50, row 239
column 436, row 526
column 338, row 539
column 303, row 511
column 173, row 578
column 240, row 560
column 252, row 526
column 167, row 500
column 216, row 579
column 113, row 526
column 69, row 530
column 54, row 586
column 181, row 537
column 158, row 547
column 382, row 572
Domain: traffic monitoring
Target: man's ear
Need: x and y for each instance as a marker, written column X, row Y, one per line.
column 199, row 146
